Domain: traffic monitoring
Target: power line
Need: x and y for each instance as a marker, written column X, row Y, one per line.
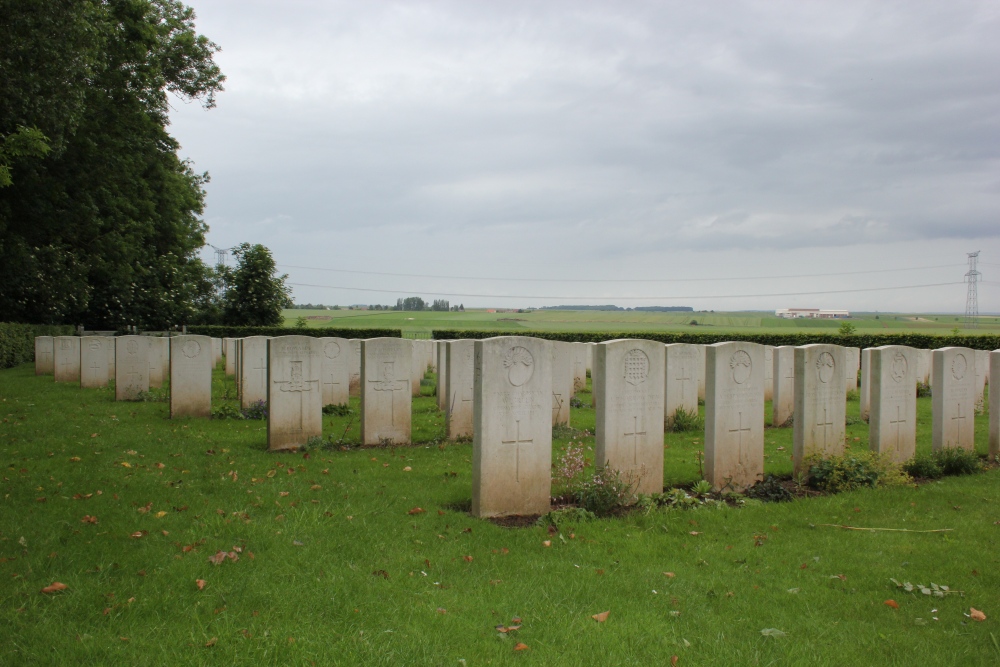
column 616, row 280
column 623, row 298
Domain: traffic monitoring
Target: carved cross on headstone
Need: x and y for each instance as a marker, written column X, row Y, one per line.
column 260, row 370
column 635, row 439
column 959, row 420
column 683, row 377
column 896, row 422
column 740, row 430
column 95, row 366
column 466, row 398
column 390, row 385
column 296, row 384
column 825, row 424
column 517, row 442
column 557, row 403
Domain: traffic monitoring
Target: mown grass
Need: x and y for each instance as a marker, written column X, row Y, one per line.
column 342, row 573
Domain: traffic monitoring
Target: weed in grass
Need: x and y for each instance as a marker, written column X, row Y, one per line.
column 853, row 396
column 153, row 396
column 340, row 410
column 957, row 461
column 683, row 421
column 853, row 471
column 923, row 466
column 607, row 491
column 256, row 410
column 566, row 515
column 923, row 390
column 227, row 411
column 769, row 490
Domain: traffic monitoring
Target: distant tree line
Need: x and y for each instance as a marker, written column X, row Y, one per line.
column 416, row 303
column 649, row 309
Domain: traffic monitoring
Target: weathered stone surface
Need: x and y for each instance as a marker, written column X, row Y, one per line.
column 294, row 394
column 441, row 389
column 44, row 355
column 230, row 351
column 94, row 361
column 111, row 358
column 953, row 398
column 768, row 372
column 734, row 415
column 590, row 358
column 216, row 351
column 512, row 441
column 982, row 373
column 783, row 393
column 131, row 367
column 191, row 376
column 253, row 370
column 994, row 426
column 354, row 387
column 924, row 365
column 702, row 370
column 561, row 382
column 629, row 417
column 820, row 404
column 682, row 368
column 865, row 392
column 892, row 423
column 578, row 361
column 386, row 364
column 461, row 374
column 852, row 363
column 418, row 366
column 336, row 370
column 159, row 360
column 67, row 359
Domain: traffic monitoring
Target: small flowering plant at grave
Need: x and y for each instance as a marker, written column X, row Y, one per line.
column 567, row 473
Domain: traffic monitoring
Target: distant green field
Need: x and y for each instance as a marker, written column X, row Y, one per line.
column 423, row 322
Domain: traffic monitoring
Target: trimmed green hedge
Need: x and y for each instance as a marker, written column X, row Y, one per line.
column 17, row 341
column 321, row 332
column 921, row 341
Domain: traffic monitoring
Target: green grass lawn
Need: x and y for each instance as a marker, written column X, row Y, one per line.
column 423, row 322
column 334, row 569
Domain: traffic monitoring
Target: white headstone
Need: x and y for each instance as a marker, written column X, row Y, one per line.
column 216, row 351
column 682, row 366
column 355, row 367
column 865, row 392
column 590, row 357
column 191, row 376
column 892, row 423
column 386, row 365
column 953, row 398
column 336, row 371
column 561, row 381
column 982, row 372
column 253, row 370
column 111, row 359
column 579, row 366
column 131, row 367
column 159, row 359
column 783, row 393
column 820, row 404
column 418, row 366
column 734, row 415
column 852, row 363
column 702, row 370
column 512, row 441
column 441, row 348
column 768, row 373
column 994, row 407
column 629, row 416
column 924, row 366
column 94, row 361
column 230, row 351
column 44, row 361
column 67, row 359
column 459, row 402
column 294, row 395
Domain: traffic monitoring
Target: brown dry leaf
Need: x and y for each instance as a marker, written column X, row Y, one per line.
column 673, row 660
column 520, row 647
column 976, row 615
column 694, row 532
column 187, row 547
column 467, row 559
column 139, row 533
column 547, row 543
column 315, row 487
column 891, row 603
column 217, row 558
column 200, row 583
column 603, row 616
column 160, row 514
column 160, row 465
column 88, row 519
column 59, row 586
column 211, row 642
column 669, row 575
column 75, row 459
column 417, row 510
column 407, row 469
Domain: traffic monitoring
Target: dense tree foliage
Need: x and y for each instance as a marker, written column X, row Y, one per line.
column 255, row 295
column 99, row 217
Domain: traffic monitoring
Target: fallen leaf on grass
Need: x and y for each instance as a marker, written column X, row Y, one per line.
column 380, row 573
column 211, row 642
column 467, row 559
column 139, row 533
column 772, row 632
column 200, row 583
column 59, row 586
column 547, row 543
column 603, row 616
column 88, row 519
column 891, row 603
column 161, row 514
column 669, row 575
column 673, row 660
column 976, row 615
column 417, row 510
column 217, row 558
column 520, row 647
column 75, row 459
column 694, row 532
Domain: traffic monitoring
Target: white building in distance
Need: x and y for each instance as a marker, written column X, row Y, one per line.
column 811, row 313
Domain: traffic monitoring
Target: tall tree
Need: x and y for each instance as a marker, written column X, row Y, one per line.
column 105, row 227
column 255, row 295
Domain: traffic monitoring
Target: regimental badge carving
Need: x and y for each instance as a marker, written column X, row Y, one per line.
column 331, row 349
column 95, row 345
column 897, row 371
column 191, row 349
column 65, row 344
column 825, row 366
column 296, row 380
column 520, row 365
column 959, row 366
column 741, row 366
column 636, row 367
column 132, row 347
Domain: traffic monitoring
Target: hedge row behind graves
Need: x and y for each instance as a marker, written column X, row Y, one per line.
column 17, row 341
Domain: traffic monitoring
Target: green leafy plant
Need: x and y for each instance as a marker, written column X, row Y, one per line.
column 855, row 471
column 923, row 465
column 769, row 490
column 682, row 421
column 566, row 515
column 923, row 390
column 957, row 461
column 227, row 411
column 606, row 491
column 340, row 410
column 847, row 329
column 256, row 410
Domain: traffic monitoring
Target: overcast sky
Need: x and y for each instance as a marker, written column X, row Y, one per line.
column 557, row 143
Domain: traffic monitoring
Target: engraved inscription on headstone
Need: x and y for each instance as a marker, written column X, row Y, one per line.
column 191, row 376
column 783, row 395
column 253, row 370
column 734, row 415
column 44, row 355
column 94, row 361
column 682, row 365
column 67, row 359
column 562, row 382
column 131, row 367
column 386, row 364
column 953, row 398
column 820, row 404
column 893, row 412
column 336, row 372
column 294, row 396
column 458, row 364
